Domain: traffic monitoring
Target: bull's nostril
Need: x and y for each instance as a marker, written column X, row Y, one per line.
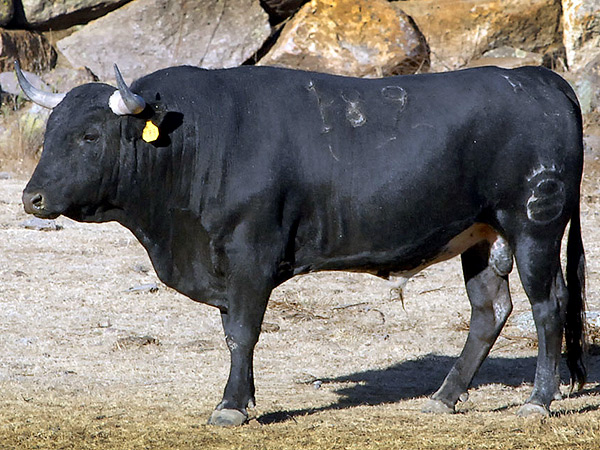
column 37, row 201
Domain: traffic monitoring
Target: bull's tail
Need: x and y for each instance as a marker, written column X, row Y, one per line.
column 575, row 319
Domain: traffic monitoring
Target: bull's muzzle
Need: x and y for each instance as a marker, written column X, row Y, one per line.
column 34, row 203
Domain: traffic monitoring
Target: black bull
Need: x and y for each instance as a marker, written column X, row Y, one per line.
column 236, row 180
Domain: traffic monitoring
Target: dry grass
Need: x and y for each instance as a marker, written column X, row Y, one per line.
column 22, row 128
column 360, row 428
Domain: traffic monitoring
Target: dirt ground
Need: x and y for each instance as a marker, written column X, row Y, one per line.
column 93, row 356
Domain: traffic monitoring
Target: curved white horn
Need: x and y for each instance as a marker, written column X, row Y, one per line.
column 42, row 98
column 124, row 101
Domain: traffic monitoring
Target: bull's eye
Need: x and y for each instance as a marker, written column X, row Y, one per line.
column 91, row 136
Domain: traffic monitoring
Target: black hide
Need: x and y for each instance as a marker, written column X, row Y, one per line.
column 260, row 174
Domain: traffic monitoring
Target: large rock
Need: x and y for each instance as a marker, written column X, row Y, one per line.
column 33, row 51
column 146, row 35
column 7, row 9
column 364, row 38
column 10, row 85
column 458, row 31
column 581, row 31
column 64, row 13
column 63, row 79
column 587, row 85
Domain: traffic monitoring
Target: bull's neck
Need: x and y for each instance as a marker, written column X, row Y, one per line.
column 152, row 183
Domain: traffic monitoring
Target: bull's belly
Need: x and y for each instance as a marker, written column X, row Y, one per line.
column 500, row 257
column 400, row 269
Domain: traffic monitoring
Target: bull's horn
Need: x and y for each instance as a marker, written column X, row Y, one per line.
column 42, row 98
column 123, row 101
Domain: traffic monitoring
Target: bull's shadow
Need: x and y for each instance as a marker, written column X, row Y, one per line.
column 422, row 377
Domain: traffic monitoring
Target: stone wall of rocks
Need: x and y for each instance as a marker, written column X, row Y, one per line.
column 351, row 37
column 368, row 38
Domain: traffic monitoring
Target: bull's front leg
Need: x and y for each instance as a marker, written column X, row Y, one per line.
column 242, row 323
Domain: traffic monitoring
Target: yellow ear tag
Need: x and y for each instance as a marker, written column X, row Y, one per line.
column 150, row 133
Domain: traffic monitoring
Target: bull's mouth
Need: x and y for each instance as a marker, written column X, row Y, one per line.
column 45, row 215
column 37, row 204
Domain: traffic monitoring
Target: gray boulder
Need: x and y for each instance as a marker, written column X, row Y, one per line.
column 10, row 85
column 59, row 14
column 581, row 31
column 587, row 86
column 61, row 79
column 146, row 35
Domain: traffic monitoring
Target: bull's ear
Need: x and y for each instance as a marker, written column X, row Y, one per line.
column 151, row 132
column 160, row 125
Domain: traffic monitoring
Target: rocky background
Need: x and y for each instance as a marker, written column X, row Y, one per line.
column 68, row 42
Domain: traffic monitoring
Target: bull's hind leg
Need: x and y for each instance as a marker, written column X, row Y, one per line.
column 486, row 277
column 538, row 261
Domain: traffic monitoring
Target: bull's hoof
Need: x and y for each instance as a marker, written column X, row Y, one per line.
column 436, row 407
column 227, row 418
column 532, row 410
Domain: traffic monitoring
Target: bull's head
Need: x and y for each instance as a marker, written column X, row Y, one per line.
column 81, row 148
